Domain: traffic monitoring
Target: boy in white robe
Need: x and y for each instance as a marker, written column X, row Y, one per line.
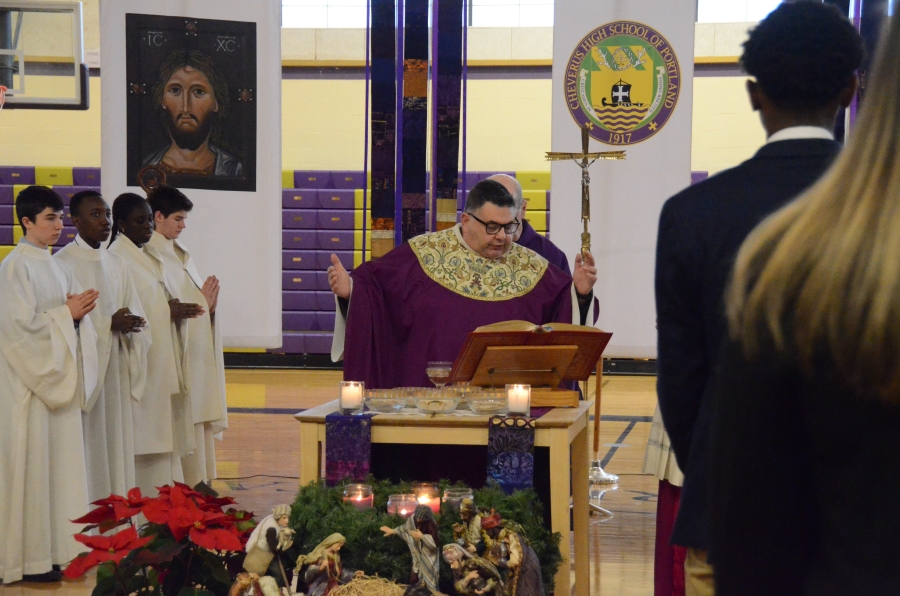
column 121, row 347
column 163, row 422
column 204, row 367
column 48, row 364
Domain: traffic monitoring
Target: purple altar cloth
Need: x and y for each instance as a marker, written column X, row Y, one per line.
column 348, row 448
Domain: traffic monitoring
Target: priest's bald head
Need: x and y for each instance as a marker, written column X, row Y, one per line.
column 489, row 221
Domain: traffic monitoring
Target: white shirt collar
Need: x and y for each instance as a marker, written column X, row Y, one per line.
column 83, row 243
column 793, row 133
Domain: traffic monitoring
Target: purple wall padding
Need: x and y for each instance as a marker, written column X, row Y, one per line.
column 299, row 218
column 299, row 259
column 16, row 175
column 298, row 239
column 312, row 179
column 86, row 177
column 299, row 300
column 6, row 235
column 299, row 198
column 348, row 179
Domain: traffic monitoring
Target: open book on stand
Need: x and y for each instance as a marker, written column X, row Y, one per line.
column 542, row 356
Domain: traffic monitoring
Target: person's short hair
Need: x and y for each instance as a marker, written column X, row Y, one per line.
column 489, row 191
column 198, row 60
column 32, row 200
column 803, row 55
column 168, row 200
column 78, row 198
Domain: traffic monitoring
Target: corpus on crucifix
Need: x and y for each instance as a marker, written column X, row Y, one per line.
column 584, row 161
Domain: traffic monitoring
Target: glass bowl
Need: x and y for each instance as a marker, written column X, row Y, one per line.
column 385, row 405
column 488, row 404
column 437, row 401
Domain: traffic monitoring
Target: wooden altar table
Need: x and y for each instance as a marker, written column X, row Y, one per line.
column 559, row 430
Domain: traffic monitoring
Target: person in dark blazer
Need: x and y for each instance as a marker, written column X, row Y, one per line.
column 804, row 473
column 803, row 59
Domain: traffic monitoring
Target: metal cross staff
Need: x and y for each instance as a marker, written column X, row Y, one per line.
column 586, row 160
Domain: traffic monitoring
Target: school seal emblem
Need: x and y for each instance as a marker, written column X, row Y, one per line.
column 623, row 80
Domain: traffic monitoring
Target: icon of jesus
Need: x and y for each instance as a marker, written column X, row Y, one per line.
column 191, row 94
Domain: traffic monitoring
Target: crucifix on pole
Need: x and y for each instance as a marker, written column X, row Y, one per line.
column 584, row 161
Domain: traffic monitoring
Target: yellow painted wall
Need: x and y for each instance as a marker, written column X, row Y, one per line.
column 508, row 126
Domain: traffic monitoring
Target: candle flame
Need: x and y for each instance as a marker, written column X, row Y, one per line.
column 359, row 497
column 424, row 500
column 403, row 512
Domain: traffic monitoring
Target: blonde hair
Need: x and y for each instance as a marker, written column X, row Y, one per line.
column 820, row 276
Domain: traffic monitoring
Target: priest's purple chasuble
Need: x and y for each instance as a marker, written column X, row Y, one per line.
column 419, row 302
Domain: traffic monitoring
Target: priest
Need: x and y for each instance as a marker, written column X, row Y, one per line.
column 48, row 365
column 121, row 347
column 419, row 302
column 204, row 363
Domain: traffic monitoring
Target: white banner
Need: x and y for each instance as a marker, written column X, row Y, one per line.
column 193, row 87
column 624, row 68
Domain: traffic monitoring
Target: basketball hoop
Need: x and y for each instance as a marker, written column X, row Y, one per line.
column 2, row 96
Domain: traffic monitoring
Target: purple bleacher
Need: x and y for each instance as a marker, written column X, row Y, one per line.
column 299, row 300
column 297, row 198
column 473, row 178
column 6, row 215
column 336, row 239
column 298, row 259
column 345, row 256
column 6, row 235
column 67, row 192
column 337, row 199
column 325, row 301
column 16, row 175
column 299, row 239
column 325, row 321
column 348, row 180
column 337, row 219
column 312, row 179
column 6, row 194
column 698, row 177
column 304, row 280
column 67, row 236
column 299, row 321
column 86, row 177
column 291, row 343
column 299, row 219
column 317, row 343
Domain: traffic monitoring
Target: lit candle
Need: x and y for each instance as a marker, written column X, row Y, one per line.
column 351, row 399
column 359, row 495
column 427, row 494
column 402, row 505
column 519, row 398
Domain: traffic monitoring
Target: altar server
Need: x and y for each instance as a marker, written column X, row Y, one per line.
column 121, row 347
column 48, row 365
column 204, row 365
column 162, row 418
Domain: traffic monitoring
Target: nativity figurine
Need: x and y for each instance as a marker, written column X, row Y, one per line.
column 325, row 571
column 472, row 575
column 421, row 536
column 509, row 550
column 267, row 545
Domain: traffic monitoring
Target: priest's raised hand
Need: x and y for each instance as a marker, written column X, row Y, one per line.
column 585, row 275
column 185, row 310
column 81, row 304
column 125, row 322
column 338, row 278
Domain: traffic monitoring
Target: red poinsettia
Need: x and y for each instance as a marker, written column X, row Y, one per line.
column 105, row 548
column 178, row 509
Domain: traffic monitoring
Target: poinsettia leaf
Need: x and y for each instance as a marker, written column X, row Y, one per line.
column 111, row 524
column 105, row 586
column 215, row 539
column 81, row 564
column 195, row 592
column 205, row 489
column 95, row 516
column 163, row 554
column 105, row 570
column 157, row 511
column 245, row 526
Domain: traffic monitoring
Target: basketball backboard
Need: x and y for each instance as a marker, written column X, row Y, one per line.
column 41, row 55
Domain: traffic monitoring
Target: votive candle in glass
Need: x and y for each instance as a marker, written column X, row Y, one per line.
column 359, row 495
column 453, row 496
column 351, row 399
column 519, row 398
column 402, row 504
column 427, row 494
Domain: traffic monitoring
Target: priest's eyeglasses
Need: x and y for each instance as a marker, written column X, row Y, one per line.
column 493, row 228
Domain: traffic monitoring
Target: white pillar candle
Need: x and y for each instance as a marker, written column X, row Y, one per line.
column 519, row 398
column 351, row 395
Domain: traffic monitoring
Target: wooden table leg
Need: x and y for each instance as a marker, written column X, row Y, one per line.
column 580, row 511
column 309, row 452
column 560, row 476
